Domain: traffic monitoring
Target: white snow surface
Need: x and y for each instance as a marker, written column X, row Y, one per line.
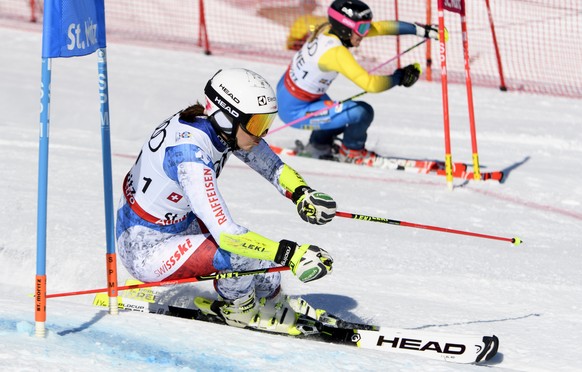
column 530, row 296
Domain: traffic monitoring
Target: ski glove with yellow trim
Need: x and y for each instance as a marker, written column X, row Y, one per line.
column 430, row 31
column 313, row 206
column 307, row 262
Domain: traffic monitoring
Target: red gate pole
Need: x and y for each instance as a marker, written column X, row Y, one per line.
column 476, row 170
column 202, row 32
column 428, row 70
column 445, row 93
column 32, row 11
column 502, row 85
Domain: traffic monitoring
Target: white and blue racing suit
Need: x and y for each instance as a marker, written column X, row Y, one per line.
column 172, row 213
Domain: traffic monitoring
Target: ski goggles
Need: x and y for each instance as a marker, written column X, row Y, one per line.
column 256, row 125
column 361, row 27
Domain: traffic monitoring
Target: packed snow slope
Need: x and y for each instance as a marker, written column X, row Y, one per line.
column 530, row 296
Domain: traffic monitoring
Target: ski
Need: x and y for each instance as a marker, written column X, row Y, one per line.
column 316, row 324
column 436, row 167
column 423, row 166
column 466, row 175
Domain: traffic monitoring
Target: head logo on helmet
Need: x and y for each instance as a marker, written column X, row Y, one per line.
column 225, row 89
column 226, row 107
column 242, row 98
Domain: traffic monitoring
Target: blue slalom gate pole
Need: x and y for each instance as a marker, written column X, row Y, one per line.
column 111, row 261
column 43, row 153
column 70, row 29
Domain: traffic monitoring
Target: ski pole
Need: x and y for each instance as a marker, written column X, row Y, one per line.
column 314, row 113
column 515, row 241
column 399, row 55
column 200, row 278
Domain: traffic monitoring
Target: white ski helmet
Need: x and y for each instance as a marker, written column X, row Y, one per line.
column 238, row 97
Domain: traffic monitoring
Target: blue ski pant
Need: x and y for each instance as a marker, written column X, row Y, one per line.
column 352, row 118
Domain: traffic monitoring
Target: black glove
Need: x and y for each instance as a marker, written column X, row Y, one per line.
column 314, row 207
column 408, row 75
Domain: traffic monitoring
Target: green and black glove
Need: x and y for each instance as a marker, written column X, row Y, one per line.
column 307, row 262
column 313, row 206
